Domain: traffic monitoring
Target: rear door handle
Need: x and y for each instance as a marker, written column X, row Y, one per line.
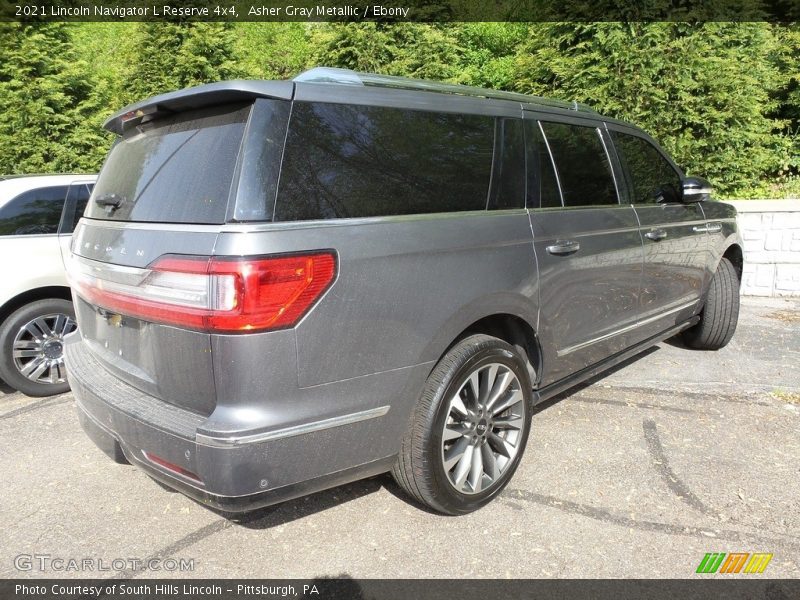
column 656, row 235
column 562, row 247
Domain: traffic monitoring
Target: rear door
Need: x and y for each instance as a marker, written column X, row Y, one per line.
column 673, row 233
column 587, row 244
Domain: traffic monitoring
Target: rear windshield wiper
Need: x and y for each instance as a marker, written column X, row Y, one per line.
column 110, row 202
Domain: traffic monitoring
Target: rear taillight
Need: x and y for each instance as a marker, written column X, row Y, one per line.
column 210, row 293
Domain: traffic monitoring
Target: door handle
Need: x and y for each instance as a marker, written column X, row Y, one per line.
column 700, row 228
column 562, row 247
column 656, row 235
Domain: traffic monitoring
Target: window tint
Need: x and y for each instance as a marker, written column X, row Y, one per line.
column 33, row 212
column 582, row 163
column 508, row 171
column 542, row 185
column 174, row 170
column 362, row 161
column 653, row 178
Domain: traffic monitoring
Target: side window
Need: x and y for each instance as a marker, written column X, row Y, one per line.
column 508, row 171
column 77, row 199
column 33, row 212
column 542, row 184
column 653, row 178
column 345, row 161
column 582, row 163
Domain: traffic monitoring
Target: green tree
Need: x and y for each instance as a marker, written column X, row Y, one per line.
column 409, row 49
column 705, row 90
column 170, row 56
column 48, row 121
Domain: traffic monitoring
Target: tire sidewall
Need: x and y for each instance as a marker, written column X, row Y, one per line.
column 448, row 497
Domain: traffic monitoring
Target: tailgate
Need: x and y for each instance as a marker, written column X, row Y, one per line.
column 166, row 362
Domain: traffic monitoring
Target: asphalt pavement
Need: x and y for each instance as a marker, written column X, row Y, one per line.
column 638, row 473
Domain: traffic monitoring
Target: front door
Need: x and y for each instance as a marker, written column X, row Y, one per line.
column 673, row 233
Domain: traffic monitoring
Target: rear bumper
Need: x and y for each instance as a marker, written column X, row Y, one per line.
column 240, row 473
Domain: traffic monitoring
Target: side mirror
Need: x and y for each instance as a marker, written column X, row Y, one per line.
column 695, row 189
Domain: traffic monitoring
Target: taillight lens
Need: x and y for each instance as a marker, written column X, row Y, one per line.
column 210, row 294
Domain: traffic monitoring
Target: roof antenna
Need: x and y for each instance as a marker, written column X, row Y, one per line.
column 574, row 105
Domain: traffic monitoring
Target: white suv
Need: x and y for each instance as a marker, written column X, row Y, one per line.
column 37, row 216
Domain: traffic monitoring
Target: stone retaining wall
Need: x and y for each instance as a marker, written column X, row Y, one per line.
column 771, row 233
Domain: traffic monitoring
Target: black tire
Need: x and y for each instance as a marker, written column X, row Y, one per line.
column 720, row 311
column 420, row 468
column 9, row 370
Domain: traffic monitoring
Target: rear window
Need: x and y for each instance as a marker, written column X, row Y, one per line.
column 584, row 170
column 346, row 161
column 177, row 169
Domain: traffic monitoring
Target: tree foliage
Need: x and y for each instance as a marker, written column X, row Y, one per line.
column 723, row 98
column 47, row 98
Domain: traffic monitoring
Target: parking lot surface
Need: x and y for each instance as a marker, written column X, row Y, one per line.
column 637, row 474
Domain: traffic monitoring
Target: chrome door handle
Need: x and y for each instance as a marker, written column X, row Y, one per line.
column 564, row 247
column 700, row 228
column 656, row 235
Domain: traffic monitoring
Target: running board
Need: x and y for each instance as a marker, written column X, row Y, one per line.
column 559, row 386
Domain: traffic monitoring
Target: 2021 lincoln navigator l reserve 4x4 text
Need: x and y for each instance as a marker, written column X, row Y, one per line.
column 283, row 286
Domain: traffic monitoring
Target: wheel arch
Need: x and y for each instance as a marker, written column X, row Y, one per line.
column 735, row 254
column 41, row 293
column 512, row 329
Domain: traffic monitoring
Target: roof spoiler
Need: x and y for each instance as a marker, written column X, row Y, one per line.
column 197, row 97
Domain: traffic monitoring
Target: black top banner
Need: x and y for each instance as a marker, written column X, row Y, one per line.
column 777, row 11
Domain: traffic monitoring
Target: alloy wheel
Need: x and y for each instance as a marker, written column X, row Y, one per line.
column 38, row 348
column 483, row 429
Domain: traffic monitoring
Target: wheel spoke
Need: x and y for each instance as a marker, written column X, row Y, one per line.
column 498, row 389
column 31, row 366
column 27, row 353
column 513, row 398
column 52, row 376
column 457, row 406
column 464, row 466
column 489, row 462
column 33, row 331
column 60, row 324
column 454, row 431
column 474, row 390
column 41, row 323
column 489, row 377
column 455, row 454
column 35, row 368
column 510, row 422
column 475, row 479
column 499, row 445
column 26, row 345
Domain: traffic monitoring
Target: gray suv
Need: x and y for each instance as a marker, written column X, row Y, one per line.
column 282, row 286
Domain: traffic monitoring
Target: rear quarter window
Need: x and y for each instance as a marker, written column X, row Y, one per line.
column 344, row 161
column 177, row 169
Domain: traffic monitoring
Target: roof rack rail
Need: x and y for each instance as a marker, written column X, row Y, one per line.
column 338, row 76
